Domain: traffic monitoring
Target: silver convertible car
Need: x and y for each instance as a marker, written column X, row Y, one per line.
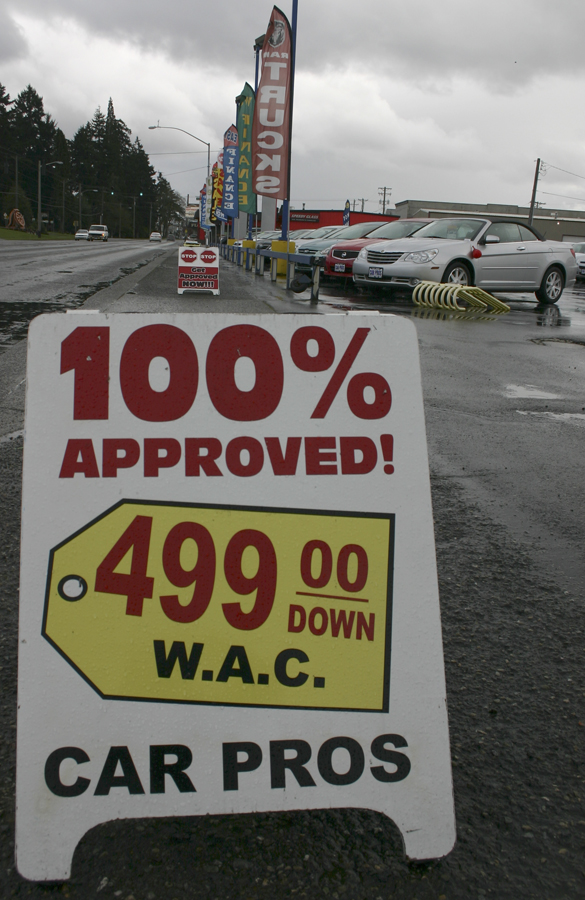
column 496, row 256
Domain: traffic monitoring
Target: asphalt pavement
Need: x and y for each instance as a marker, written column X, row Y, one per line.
column 504, row 403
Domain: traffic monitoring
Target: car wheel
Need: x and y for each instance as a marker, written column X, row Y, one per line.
column 457, row 273
column 552, row 286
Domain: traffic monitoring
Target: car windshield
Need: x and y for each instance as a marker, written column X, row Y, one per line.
column 325, row 231
column 398, row 229
column 579, row 248
column 452, row 229
column 355, row 231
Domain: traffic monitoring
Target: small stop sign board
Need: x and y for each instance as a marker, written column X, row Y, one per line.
column 198, row 269
column 228, row 587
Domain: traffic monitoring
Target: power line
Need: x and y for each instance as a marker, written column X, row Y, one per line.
column 574, row 174
column 566, row 196
column 182, row 152
column 182, row 172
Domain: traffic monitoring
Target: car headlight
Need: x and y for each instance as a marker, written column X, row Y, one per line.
column 420, row 256
column 363, row 254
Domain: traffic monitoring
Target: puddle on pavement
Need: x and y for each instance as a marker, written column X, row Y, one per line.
column 16, row 315
column 571, row 418
column 528, row 392
column 524, row 311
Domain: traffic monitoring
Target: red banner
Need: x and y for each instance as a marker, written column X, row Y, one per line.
column 272, row 111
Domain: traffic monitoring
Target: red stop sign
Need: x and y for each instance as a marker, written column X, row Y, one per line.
column 208, row 256
column 189, row 255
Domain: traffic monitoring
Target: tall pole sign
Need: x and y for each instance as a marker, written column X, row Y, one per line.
column 271, row 131
column 228, row 596
column 231, row 153
column 245, row 114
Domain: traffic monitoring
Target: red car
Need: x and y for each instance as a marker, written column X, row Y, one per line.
column 339, row 260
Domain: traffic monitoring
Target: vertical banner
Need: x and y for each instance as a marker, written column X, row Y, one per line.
column 217, row 191
column 272, row 111
column 203, row 209
column 209, row 200
column 231, row 153
column 346, row 211
column 246, row 195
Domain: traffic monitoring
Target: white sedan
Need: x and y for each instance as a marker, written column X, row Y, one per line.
column 494, row 255
column 82, row 234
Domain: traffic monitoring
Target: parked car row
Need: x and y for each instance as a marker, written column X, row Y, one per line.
column 496, row 255
column 502, row 255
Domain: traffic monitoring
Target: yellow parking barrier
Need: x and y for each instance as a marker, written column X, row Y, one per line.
column 433, row 295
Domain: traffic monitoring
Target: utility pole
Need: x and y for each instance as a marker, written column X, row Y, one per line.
column 383, row 191
column 134, row 218
column 39, row 222
column 534, row 187
column 362, row 200
column 16, row 183
column 353, row 210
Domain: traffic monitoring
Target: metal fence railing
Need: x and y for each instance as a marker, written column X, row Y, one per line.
column 252, row 259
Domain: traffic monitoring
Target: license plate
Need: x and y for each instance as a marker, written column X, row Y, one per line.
column 340, row 267
column 376, row 272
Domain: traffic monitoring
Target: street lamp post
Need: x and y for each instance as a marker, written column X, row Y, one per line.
column 88, row 191
column 134, row 215
column 172, row 128
column 56, row 162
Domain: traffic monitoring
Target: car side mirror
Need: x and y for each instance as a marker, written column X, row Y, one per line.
column 491, row 239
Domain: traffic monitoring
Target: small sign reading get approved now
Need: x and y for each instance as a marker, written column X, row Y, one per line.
column 228, row 589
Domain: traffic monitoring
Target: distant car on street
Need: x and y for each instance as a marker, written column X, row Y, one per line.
column 580, row 257
column 98, row 233
column 82, row 234
column 155, row 236
column 340, row 257
column 494, row 255
column 191, row 241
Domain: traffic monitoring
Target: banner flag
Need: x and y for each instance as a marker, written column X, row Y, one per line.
column 217, row 191
column 346, row 212
column 203, row 221
column 231, row 153
column 246, row 195
column 209, row 200
column 272, row 111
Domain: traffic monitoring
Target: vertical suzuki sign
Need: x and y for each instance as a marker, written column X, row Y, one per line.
column 272, row 111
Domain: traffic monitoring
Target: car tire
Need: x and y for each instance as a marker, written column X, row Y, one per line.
column 552, row 286
column 457, row 273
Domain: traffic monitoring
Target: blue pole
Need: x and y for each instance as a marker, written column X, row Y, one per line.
column 285, row 205
column 257, row 49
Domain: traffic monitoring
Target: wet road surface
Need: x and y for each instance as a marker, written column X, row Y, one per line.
column 50, row 276
column 504, row 402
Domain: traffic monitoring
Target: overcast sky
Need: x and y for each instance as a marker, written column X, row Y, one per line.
column 436, row 99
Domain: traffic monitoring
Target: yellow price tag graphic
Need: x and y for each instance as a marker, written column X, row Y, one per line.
column 240, row 606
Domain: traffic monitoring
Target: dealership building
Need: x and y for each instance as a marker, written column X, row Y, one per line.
column 559, row 225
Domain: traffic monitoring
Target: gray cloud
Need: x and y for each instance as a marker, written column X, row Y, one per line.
column 12, row 42
column 501, row 44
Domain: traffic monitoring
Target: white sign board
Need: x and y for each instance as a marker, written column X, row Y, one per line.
column 228, row 588
column 198, row 269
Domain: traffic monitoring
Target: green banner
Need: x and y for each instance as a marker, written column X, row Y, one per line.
column 245, row 104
